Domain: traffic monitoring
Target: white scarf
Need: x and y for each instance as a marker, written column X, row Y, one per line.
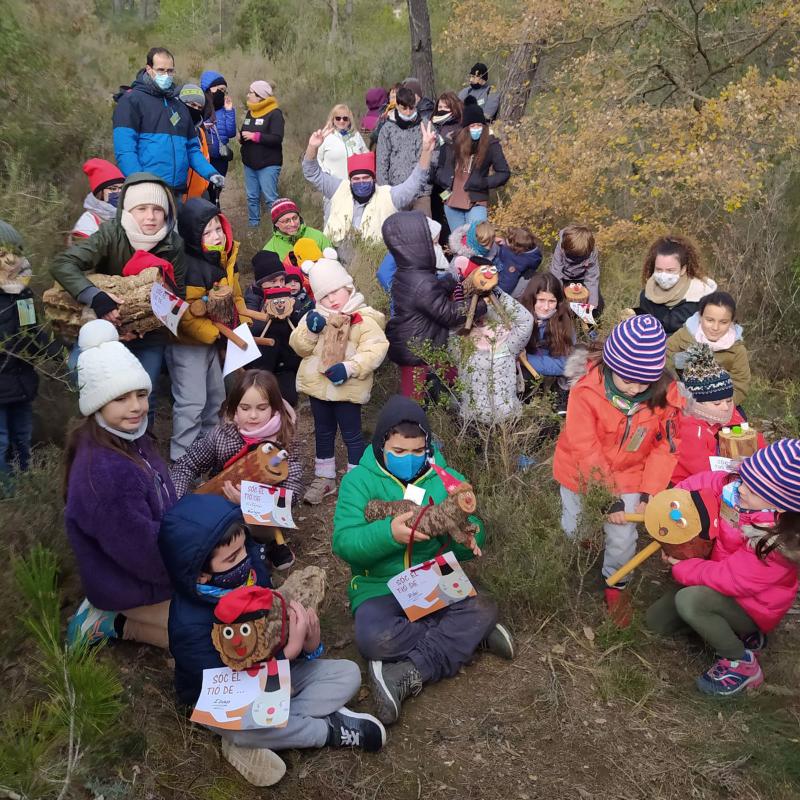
column 128, row 436
column 355, row 302
column 139, row 240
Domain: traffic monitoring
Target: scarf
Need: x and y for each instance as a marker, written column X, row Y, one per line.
column 127, row 436
column 269, row 429
column 440, row 119
column 137, row 239
column 405, row 124
column 355, row 302
column 723, row 343
column 262, row 108
column 627, row 405
column 667, row 297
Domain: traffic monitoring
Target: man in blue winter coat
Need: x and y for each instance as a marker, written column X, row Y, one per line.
column 153, row 131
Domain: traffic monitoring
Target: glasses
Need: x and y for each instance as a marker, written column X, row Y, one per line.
column 163, row 71
column 290, row 219
column 342, row 119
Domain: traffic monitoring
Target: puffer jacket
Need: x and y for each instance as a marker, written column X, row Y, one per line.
column 204, row 269
column 600, row 444
column 672, row 318
column 480, row 182
column 223, row 127
column 423, row 310
column 189, row 532
column 399, row 149
column 512, row 266
column 765, row 589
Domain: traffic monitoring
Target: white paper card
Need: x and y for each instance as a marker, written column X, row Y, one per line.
column 266, row 505
column 721, row 464
column 167, row 307
column 416, row 494
column 235, row 357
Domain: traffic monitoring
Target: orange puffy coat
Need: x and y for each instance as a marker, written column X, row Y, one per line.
column 600, row 444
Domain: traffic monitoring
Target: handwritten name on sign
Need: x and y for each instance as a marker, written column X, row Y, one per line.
column 263, row 504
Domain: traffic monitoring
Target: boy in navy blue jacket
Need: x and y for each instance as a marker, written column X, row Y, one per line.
column 208, row 552
column 519, row 258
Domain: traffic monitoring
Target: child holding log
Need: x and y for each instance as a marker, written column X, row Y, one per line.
column 254, row 412
column 739, row 595
column 620, row 432
column 576, row 261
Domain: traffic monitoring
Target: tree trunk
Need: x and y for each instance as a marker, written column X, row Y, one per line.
column 518, row 82
column 348, row 8
column 334, row 31
column 419, row 23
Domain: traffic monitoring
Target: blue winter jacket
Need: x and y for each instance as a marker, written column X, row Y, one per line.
column 512, row 266
column 224, row 128
column 189, row 532
column 541, row 360
column 153, row 132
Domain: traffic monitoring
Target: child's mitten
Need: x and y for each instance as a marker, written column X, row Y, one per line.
column 315, row 322
column 337, row 374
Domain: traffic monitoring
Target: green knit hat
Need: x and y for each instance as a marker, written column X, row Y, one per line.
column 704, row 377
column 10, row 238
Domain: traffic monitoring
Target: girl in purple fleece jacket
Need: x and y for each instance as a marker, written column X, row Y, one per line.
column 117, row 490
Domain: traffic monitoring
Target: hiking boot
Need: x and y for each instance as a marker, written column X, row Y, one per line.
column 618, row 605
column 257, row 765
column 319, row 489
column 91, row 624
column 499, row 642
column 755, row 642
column 281, row 556
column 348, row 728
column 391, row 683
column 727, row 678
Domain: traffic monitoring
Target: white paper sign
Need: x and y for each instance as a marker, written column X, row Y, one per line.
column 721, row 464
column 266, row 505
column 167, row 307
column 235, row 357
column 416, row 494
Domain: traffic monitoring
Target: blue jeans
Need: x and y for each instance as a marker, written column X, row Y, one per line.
column 330, row 415
column 456, row 217
column 16, row 430
column 257, row 182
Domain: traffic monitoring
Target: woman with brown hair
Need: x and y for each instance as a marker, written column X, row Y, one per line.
column 341, row 142
column 447, row 118
column 673, row 282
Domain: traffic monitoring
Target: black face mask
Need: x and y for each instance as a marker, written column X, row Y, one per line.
column 196, row 114
column 219, row 100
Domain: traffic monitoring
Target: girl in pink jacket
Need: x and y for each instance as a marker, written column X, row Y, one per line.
column 743, row 591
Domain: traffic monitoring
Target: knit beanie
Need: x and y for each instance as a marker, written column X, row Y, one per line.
column 262, row 89
column 266, row 264
column 774, row 473
column 10, row 237
column 106, row 368
column 472, row 114
column 147, row 193
column 192, row 93
column 361, row 163
column 326, row 275
column 434, row 227
column 480, row 70
column 637, row 349
column 703, row 377
column 281, row 207
column 101, row 173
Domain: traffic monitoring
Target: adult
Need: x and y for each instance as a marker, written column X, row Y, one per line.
column 289, row 227
column 447, row 118
column 341, row 143
column 261, row 138
column 375, row 99
column 153, row 130
column 673, row 282
column 468, row 168
column 387, row 109
column 399, row 147
column 219, row 119
column 144, row 226
column 194, row 98
column 359, row 204
column 480, row 89
column 100, row 205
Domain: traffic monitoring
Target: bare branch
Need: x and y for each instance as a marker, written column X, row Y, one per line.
column 697, row 12
column 679, row 84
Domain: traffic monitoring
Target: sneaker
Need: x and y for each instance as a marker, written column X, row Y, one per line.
column 281, row 556
column 499, row 642
column 755, row 642
column 727, row 678
column 348, row 728
column 391, row 683
column 319, row 489
column 618, row 605
column 91, row 624
column 257, row 765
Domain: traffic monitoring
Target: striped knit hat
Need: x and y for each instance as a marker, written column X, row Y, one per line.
column 703, row 377
column 282, row 206
column 637, row 349
column 774, row 473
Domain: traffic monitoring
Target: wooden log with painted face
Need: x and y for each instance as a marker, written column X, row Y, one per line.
column 266, row 463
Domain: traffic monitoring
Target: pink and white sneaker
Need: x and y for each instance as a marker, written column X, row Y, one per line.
column 727, row 678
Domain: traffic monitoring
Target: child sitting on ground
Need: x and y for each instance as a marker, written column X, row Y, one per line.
column 100, row 205
column 341, row 343
column 575, row 260
column 715, row 325
column 744, row 590
column 620, row 432
column 476, row 239
column 404, row 655
column 208, row 553
column 519, row 259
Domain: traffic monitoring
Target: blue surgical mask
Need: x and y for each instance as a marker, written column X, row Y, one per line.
column 475, row 133
column 405, row 467
column 113, row 199
column 163, row 82
column 363, row 189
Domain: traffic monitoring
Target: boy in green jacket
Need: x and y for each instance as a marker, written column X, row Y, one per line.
column 404, row 655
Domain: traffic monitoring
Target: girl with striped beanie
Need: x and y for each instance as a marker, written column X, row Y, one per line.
column 735, row 598
column 620, row 434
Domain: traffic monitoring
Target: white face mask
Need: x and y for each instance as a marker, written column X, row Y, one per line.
column 666, row 280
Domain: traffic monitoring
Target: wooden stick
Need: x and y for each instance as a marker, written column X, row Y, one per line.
column 257, row 315
column 525, row 363
column 229, row 334
column 264, row 341
column 641, row 556
column 473, row 304
column 634, row 517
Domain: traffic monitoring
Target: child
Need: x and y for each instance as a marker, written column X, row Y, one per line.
column 117, row 490
column 338, row 391
column 519, row 257
column 100, row 205
column 208, row 553
column 575, row 260
column 619, row 432
column 254, row 412
column 486, row 358
column 423, row 311
column 741, row 594
column 476, row 239
column 714, row 325
column 404, row 655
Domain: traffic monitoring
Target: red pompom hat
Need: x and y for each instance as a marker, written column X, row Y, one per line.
column 246, row 602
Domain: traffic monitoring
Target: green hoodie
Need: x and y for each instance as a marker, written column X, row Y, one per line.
column 282, row 244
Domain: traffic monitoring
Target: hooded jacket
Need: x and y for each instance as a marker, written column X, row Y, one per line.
column 154, row 132
column 512, row 266
column 586, row 272
column 204, row 269
column 369, row 548
column 423, row 310
column 19, row 381
column 223, row 127
column 189, row 533
column 375, row 99
column 283, row 244
column 765, row 589
column 480, row 182
column 734, row 360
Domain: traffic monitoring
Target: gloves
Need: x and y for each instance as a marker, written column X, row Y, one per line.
column 102, row 304
column 315, row 322
column 217, row 181
column 337, row 374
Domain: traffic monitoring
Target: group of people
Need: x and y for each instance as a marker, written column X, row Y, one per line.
column 642, row 409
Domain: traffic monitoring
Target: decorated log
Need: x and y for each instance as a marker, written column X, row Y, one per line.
column 576, row 293
column 739, row 441
column 334, row 340
column 266, row 463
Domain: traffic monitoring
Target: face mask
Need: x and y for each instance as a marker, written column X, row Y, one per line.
column 475, row 134
column 213, row 248
column 219, row 100
column 405, row 467
column 163, row 82
column 407, row 117
column 113, row 199
column 666, row 280
column 363, row 190
column 196, row 115
column 233, row 577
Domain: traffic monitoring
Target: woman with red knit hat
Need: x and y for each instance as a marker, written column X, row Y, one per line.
column 100, row 205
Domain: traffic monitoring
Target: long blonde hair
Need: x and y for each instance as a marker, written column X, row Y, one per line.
column 341, row 109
